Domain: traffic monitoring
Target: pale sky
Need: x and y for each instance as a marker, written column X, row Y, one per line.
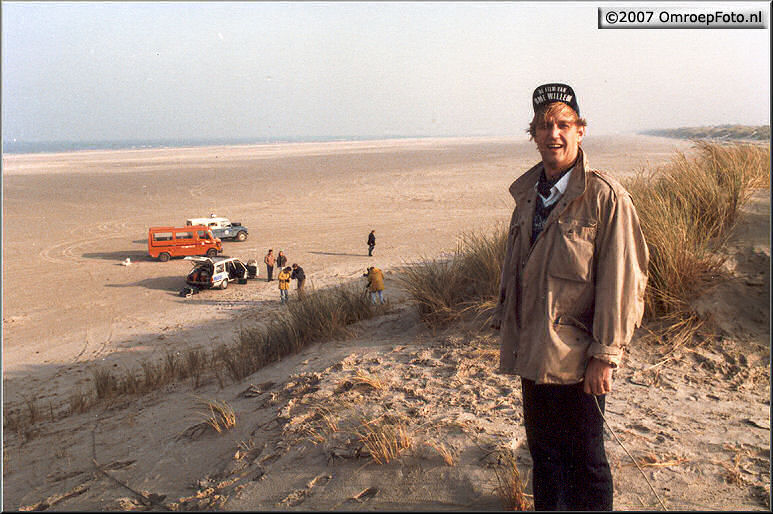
column 146, row 70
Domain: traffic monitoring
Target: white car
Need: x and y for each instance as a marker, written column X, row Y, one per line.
column 211, row 272
column 222, row 228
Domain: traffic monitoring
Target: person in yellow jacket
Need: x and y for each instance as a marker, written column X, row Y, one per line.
column 284, row 284
column 375, row 284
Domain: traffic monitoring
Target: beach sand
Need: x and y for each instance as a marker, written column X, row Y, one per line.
column 70, row 306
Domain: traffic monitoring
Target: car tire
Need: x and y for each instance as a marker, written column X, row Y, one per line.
column 224, row 283
column 241, row 236
column 211, row 253
column 163, row 256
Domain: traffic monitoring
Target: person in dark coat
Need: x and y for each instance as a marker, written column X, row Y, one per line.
column 300, row 276
column 281, row 260
column 371, row 242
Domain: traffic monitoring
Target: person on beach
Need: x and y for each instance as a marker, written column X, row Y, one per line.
column 371, row 242
column 375, row 284
column 571, row 295
column 300, row 276
column 269, row 260
column 284, row 284
column 281, row 260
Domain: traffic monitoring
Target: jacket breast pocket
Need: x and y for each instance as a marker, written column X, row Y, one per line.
column 572, row 257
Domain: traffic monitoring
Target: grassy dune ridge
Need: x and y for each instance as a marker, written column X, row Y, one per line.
column 725, row 132
column 317, row 316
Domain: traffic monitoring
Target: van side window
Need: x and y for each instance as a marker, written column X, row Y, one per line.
column 184, row 235
column 162, row 236
column 204, row 234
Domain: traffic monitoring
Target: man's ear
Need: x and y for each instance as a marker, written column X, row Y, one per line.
column 580, row 133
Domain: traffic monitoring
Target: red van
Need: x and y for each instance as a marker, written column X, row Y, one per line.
column 167, row 242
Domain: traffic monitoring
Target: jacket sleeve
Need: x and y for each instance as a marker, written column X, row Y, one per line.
column 506, row 270
column 621, row 277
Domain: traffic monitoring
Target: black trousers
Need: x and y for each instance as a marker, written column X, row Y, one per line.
column 269, row 273
column 564, row 430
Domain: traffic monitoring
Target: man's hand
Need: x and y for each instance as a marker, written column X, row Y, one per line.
column 598, row 377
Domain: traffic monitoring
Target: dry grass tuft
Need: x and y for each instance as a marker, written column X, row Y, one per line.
column 510, row 489
column 687, row 210
column 444, row 290
column 384, row 441
column 220, row 416
column 366, row 379
column 445, row 453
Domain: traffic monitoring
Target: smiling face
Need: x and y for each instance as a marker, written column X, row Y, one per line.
column 558, row 136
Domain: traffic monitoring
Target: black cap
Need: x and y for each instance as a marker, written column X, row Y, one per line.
column 555, row 92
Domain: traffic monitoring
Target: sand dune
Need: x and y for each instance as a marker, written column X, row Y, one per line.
column 68, row 305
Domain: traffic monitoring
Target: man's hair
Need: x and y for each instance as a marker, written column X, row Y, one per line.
column 552, row 110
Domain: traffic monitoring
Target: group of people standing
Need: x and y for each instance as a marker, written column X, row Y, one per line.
column 286, row 274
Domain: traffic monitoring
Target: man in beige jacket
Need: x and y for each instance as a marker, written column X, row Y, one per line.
column 571, row 295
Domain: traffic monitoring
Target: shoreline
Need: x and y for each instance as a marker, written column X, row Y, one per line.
column 254, row 144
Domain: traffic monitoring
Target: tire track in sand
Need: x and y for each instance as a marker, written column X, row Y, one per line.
column 65, row 252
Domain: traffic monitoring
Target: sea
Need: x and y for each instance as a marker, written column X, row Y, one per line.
column 24, row 147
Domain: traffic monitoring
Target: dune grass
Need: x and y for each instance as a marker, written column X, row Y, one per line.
column 687, row 211
column 446, row 289
column 219, row 415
